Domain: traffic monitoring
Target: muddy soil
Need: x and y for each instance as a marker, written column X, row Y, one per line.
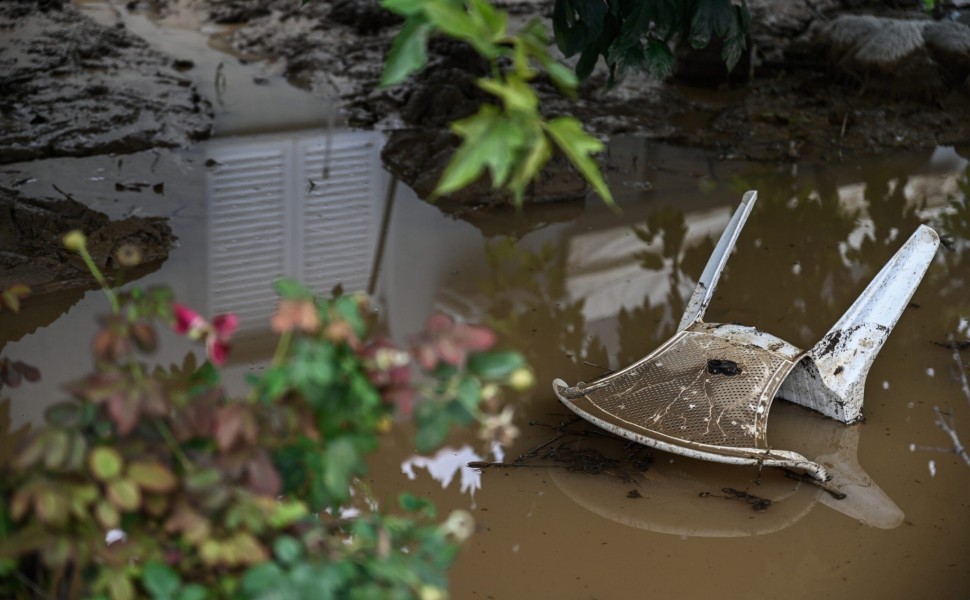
column 796, row 97
column 72, row 87
column 31, row 251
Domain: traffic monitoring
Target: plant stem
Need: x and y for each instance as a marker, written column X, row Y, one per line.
column 173, row 445
column 282, row 348
column 99, row 277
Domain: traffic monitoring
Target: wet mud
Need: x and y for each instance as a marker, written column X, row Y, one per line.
column 31, row 251
column 72, row 87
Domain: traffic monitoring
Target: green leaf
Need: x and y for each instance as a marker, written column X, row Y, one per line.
column 287, row 549
column 529, row 169
column 340, row 462
column 406, row 8
column 516, row 95
column 408, row 52
column 152, row 476
column 292, row 289
column 261, row 578
column 577, row 145
column 64, row 414
column 124, row 494
column 497, row 365
column 712, row 18
column 491, row 141
column 451, row 20
column 469, row 393
column 105, row 463
column 161, row 580
column 433, row 426
column 192, row 591
column 412, row 503
column 659, row 58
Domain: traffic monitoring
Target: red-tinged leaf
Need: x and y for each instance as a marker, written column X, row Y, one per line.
column 474, row 338
column 105, row 463
column 32, row 452
column 152, row 477
column 123, row 410
column 449, row 351
column 228, row 426
column 439, row 323
column 20, row 503
column 30, row 373
column 107, row 515
column 124, row 494
column 263, row 477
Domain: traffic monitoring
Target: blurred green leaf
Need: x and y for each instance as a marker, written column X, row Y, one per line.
column 408, row 52
column 496, row 365
column 105, row 463
column 578, row 145
column 287, row 549
column 161, row 580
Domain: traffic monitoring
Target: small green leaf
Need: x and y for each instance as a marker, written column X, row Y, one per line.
column 497, row 365
column 287, row 549
column 406, row 8
column 491, row 140
column 262, row 578
column 412, row 503
column 192, row 591
column 659, row 58
column 124, row 494
column 469, row 393
column 292, row 289
column 577, row 145
column 516, row 95
column 340, row 462
column 529, row 169
column 105, row 463
column 161, row 580
column 408, row 52
column 152, row 476
column 107, row 515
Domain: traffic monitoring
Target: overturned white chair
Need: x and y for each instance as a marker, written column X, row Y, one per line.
column 707, row 391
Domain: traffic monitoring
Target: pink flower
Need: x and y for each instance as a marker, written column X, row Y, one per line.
column 446, row 341
column 216, row 334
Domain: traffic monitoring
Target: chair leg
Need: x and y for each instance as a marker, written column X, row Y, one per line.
column 831, row 378
column 704, row 290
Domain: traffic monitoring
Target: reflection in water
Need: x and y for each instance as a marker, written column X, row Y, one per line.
column 606, row 289
column 448, row 462
column 306, row 207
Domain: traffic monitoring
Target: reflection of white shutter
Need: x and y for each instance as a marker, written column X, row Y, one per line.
column 247, row 229
column 304, row 208
column 338, row 218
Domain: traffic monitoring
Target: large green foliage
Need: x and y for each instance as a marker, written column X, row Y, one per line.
column 513, row 141
column 636, row 35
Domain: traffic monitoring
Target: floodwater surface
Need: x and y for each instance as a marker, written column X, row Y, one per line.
column 580, row 290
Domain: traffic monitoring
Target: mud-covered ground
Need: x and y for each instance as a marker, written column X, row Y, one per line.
column 807, row 98
column 815, row 88
column 71, row 87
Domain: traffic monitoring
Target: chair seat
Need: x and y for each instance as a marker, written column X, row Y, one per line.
column 706, row 393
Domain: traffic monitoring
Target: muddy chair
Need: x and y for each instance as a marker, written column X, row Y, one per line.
column 707, row 391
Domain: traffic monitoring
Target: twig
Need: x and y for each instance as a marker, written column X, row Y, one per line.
column 946, row 422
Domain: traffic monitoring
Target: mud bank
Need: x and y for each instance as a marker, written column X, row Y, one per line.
column 31, row 251
column 806, row 92
column 72, row 87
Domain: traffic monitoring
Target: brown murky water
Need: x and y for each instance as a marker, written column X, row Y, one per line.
column 574, row 285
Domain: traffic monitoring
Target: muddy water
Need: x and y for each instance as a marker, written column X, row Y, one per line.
column 580, row 290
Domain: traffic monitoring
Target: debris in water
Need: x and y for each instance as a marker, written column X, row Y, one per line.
column 719, row 366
